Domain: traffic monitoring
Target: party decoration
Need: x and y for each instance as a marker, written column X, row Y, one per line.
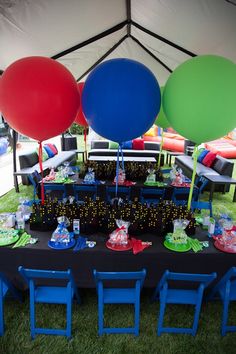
column 121, row 98
column 161, row 120
column 80, row 118
column 39, row 97
column 199, row 98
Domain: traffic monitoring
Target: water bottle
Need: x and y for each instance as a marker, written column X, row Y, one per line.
column 76, row 226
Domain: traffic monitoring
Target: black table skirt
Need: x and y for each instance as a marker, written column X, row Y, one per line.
column 155, row 259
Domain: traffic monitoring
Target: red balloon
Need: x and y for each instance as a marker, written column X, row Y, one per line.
column 39, row 97
column 80, row 118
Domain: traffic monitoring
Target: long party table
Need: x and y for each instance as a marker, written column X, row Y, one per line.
column 155, row 259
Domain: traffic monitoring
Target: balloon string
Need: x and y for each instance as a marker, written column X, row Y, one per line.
column 85, row 142
column 161, row 146
column 41, row 170
column 193, row 177
column 122, row 157
column 117, row 169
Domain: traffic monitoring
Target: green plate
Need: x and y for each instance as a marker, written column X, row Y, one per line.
column 176, row 247
column 10, row 241
column 155, row 184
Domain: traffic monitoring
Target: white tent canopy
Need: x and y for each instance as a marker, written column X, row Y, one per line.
column 81, row 33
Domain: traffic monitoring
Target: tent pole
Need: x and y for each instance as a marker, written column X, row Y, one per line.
column 172, row 44
column 128, row 11
column 103, row 57
column 63, row 141
column 90, row 40
column 14, row 162
column 150, row 53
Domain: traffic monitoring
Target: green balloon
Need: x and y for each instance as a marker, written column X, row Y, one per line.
column 161, row 120
column 199, row 98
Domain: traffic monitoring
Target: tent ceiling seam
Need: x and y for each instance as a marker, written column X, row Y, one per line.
column 91, row 40
column 151, row 54
column 128, row 11
column 157, row 36
column 103, row 57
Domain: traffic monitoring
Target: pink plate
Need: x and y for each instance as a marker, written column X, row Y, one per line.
column 220, row 247
column 117, row 247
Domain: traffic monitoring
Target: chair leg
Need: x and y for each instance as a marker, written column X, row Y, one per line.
column 225, row 317
column 161, row 317
column 196, row 317
column 100, row 317
column 68, row 319
column 136, row 317
column 1, row 316
column 32, row 312
column 211, row 213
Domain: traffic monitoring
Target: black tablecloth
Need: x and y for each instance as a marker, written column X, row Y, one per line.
column 156, row 259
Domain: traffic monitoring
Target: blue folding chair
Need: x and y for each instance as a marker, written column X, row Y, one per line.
column 123, row 192
column 82, row 192
column 119, row 295
column 57, row 190
column 51, row 295
column 193, row 296
column 5, row 287
column 180, row 195
column 202, row 205
column 200, row 184
column 34, row 179
column 151, row 195
column 225, row 290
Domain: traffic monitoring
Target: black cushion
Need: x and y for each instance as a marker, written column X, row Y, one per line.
column 28, row 159
column 151, row 146
column 99, row 144
column 221, row 165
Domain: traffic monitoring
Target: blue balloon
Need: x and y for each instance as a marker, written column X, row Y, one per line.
column 121, row 99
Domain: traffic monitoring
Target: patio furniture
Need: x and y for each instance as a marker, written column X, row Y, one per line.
column 6, row 287
column 119, row 295
column 82, row 191
column 122, row 192
column 167, row 294
column 151, row 195
column 225, row 290
column 50, row 294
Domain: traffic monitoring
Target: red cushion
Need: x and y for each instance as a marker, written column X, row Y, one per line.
column 53, row 148
column 209, row 159
column 138, row 144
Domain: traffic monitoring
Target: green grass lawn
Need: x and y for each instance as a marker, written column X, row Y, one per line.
column 84, row 321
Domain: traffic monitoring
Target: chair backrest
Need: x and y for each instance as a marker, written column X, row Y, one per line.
column 230, row 275
column 50, row 187
column 81, row 192
column 6, row 285
column 202, row 205
column 151, row 195
column 180, row 195
column 203, row 279
column 201, row 183
column 34, row 179
column 103, row 276
column 32, row 274
column 122, row 192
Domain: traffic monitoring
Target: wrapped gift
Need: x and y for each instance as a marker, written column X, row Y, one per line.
column 176, row 176
column 179, row 235
column 89, row 178
column 24, row 208
column 121, row 177
column 61, row 235
column 120, row 235
column 151, row 178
